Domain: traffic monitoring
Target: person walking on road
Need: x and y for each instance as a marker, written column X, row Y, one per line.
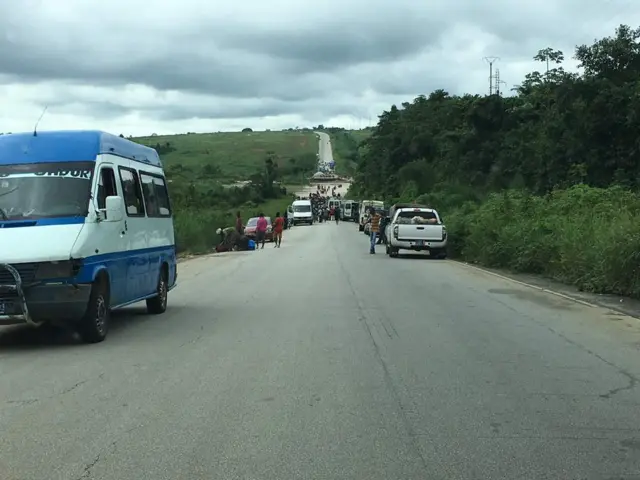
column 374, row 229
column 278, row 227
column 261, row 230
column 337, row 214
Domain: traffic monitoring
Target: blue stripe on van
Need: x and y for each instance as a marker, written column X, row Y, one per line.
column 133, row 274
column 92, row 264
column 41, row 222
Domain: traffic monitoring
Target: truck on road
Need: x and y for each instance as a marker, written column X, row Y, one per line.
column 417, row 228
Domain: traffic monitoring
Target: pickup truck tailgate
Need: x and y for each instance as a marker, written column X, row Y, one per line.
column 427, row 233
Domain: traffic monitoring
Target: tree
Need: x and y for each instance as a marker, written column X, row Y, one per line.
column 247, row 130
column 559, row 129
column 615, row 58
column 549, row 55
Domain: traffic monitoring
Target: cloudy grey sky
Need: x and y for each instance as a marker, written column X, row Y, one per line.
column 170, row 66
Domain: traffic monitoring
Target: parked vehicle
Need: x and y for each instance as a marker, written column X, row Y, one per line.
column 349, row 211
column 367, row 226
column 86, row 227
column 418, row 228
column 302, row 212
column 334, row 203
column 250, row 229
column 355, row 211
column 363, row 216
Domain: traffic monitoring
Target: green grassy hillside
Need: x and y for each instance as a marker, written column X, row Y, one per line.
column 201, row 168
column 235, row 155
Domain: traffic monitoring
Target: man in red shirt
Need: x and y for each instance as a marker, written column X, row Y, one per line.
column 278, row 227
column 261, row 230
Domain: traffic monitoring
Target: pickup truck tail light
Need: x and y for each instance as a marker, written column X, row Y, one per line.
column 395, row 232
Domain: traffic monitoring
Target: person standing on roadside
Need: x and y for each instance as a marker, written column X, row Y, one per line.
column 239, row 225
column 261, row 230
column 337, row 214
column 278, row 227
column 374, row 229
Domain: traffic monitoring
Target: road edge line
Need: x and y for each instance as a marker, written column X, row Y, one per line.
column 535, row 287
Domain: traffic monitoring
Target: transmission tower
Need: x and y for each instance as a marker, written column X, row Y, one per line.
column 491, row 61
column 497, row 82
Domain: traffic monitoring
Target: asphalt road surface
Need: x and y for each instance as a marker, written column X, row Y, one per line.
column 325, row 152
column 320, row 361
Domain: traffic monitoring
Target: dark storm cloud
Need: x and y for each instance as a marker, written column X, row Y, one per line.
column 230, row 61
column 338, row 43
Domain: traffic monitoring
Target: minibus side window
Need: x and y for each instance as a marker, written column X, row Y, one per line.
column 162, row 193
column 132, row 192
column 156, row 196
column 106, row 186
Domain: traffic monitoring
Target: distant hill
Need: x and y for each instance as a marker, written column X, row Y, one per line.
column 236, row 155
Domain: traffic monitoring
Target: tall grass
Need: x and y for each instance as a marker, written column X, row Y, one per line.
column 588, row 237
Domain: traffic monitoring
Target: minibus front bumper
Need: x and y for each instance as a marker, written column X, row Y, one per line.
column 35, row 304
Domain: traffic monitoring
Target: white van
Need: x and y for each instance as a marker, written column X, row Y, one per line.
column 334, row 203
column 85, row 227
column 302, row 212
column 348, row 211
column 365, row 205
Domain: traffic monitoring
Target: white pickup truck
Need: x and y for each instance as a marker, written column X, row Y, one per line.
column 417, row 228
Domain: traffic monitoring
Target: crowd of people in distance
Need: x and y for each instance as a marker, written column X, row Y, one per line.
column 236, row 238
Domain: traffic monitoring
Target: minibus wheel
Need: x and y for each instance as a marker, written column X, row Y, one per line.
column 94, row 324
column 158, row 304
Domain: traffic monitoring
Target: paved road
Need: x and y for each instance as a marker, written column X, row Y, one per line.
column 325, row 152
column 320, row 361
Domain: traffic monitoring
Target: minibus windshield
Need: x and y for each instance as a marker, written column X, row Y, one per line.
column 45, row 190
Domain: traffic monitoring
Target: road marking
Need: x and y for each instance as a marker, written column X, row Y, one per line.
column 535, row 287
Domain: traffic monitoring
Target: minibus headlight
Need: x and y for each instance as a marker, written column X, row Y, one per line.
column 55, row 270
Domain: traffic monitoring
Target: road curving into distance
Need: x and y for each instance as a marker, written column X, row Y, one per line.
column 320, row 361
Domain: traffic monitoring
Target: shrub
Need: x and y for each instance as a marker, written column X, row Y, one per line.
column 588, row 237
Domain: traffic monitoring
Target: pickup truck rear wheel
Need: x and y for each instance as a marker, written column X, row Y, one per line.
column 393, row 252
column 439, row 255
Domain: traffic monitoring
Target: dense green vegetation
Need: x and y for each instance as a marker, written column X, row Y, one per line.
column 544, row 181
column 203, row 171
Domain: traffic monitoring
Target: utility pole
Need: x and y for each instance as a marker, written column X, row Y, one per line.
column 491, row 61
